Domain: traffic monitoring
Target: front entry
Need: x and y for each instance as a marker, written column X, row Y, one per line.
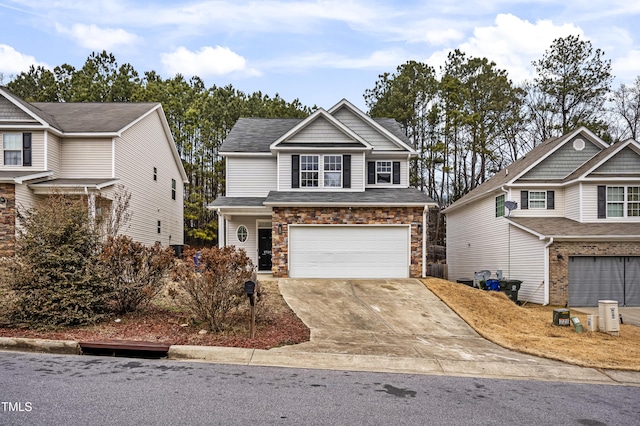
column 264, row 249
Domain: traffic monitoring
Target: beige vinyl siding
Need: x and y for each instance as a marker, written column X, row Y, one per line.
column 37, row 151
column 141, row 148
column 321, row 130
column 364, row 130
column 476, row 240
column 557, row 211
column 357, row 172
column 251, row 245
column 53, row 154
column 590, row 203
column 404, row 174
column 526, row 259
column 250, row 177
column 572, row 202
column 86, row 158
column 25, row 200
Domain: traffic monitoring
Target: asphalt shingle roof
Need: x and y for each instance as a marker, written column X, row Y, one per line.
column 238, row 202
column 562, row 227
column 257, row 134
column 374, row 196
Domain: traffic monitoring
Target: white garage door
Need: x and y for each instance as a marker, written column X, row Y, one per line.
column 349, row 251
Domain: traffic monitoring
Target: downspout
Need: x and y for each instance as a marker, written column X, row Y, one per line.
column 424, row 241
column 546, row 271
column 508, row 237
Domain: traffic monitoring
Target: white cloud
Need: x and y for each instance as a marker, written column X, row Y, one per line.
column 14, row 62
column 95, row 38
column 512, row 43
column 626, row 67
column 379, row 59
column 208, row 61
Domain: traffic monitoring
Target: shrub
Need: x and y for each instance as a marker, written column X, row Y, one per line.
column 55, row 272
column 215, row 287
column 134, row 272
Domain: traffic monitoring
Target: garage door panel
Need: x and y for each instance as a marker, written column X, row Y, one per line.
column 348, row 252
column 593, row 278
column 632, row 281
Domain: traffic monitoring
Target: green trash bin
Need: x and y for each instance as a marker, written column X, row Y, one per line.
column 511, row 288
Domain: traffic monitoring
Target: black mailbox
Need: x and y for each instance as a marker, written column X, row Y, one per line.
column 250, row 287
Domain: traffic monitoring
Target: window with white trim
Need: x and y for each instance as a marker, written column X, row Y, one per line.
column 332, row 171
column 309, row 171
column 383, row 171
column 623, row 201
column 242, row 233
column 12, row 147
column 173, row 189
column 537, row 199
column 500, row 205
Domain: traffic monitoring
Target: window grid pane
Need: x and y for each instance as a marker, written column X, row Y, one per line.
column 633, row 201
column 12, row 141
column 615, row 193
column 537, row 199
column 309, row 171
column 500, row 206
column 333, row 171
column 383, row 169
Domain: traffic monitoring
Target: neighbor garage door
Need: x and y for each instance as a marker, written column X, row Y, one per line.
column 364, row 251
column 593, row 278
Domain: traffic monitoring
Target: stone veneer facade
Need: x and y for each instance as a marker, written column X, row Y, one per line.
column 559, row 253
column 8, row 220
column 343, row 216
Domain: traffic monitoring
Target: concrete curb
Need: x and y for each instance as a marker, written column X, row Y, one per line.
column 65, row 347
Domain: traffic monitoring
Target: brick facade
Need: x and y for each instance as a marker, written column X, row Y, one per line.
column 343, row 216
column 559, row 253
column 8, row 220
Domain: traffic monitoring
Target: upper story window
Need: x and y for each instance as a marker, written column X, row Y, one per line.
column 173, row 189
column 500, row 205
column 537, row 199
column 242, row 233
column 12, row 146
column 309, row 171
column 155, row 174
column 16, row 149
column 332, row 171
column 383, row 171
column 623, row 201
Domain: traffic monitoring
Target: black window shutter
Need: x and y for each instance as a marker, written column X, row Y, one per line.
column 371, row 172
column 524, row 200
column 26, row 149
column 396, row 173
column 346, row 171
column 551, row 200
column 295, row 171
column 602, row 202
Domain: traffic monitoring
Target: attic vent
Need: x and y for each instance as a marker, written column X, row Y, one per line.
column 578, row 144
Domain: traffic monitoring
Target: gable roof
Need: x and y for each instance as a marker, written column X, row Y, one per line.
column 562, row 228
column 602, row 157
column 258, row 135
column 521, row 166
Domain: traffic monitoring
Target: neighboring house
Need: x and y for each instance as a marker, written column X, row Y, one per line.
column 91, row 149
column 574, row 238
column 325, row 196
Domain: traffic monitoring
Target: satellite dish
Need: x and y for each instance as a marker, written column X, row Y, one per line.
column 510, row 205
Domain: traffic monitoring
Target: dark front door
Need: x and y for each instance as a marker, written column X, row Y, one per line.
column 264, row 249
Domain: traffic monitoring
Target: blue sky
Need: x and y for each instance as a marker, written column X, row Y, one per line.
column 317, row 51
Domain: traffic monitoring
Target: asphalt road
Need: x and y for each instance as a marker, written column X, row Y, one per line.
column 40, row 389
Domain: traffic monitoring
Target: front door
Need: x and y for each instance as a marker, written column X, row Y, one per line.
column 264, row 249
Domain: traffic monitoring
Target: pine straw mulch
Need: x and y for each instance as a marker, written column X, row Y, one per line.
column 163, row 322
column 529, row 329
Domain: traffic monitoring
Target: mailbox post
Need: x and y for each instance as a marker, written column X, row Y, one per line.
column 250, row 288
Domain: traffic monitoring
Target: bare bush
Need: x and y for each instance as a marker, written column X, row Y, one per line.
column 214, row 284
column 134, row 272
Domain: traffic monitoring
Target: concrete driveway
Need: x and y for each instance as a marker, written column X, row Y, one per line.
column 399, row 325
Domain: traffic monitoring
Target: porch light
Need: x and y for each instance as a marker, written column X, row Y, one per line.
column 279, row 229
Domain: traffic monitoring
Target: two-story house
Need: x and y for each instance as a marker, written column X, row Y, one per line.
column 95, row 149
column 574, row 236
column 325, row 196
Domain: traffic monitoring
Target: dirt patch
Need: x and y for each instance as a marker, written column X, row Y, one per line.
column 163, row 321
column 529, row 329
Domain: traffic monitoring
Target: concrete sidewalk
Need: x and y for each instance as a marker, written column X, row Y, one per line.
column 394, row 326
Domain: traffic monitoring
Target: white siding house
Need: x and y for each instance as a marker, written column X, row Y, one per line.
column 578, row 203
column 93, row 149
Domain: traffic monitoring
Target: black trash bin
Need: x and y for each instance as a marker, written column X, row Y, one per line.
column 511, row 288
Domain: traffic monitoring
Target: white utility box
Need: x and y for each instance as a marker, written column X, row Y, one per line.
column 592, row 322
column 609, row 316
